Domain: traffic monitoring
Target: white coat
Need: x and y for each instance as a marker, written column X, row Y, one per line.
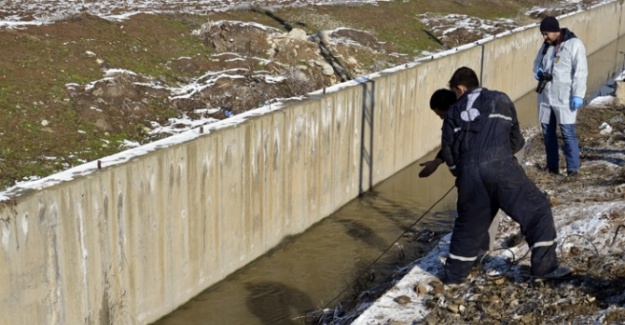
column 567, row 63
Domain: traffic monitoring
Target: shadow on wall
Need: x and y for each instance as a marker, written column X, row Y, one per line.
column 366, row 144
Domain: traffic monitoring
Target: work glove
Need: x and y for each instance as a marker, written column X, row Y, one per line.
column 538, row 73
column 576, row 102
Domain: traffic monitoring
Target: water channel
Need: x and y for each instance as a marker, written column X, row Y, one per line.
column 360, row 244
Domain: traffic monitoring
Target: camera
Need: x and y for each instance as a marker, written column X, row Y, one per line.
column 543, row 79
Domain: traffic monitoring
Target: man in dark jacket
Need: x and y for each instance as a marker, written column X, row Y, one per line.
column 440, row 102
column 481, row 134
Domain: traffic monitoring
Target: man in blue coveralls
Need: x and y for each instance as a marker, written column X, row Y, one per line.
column 440, row 102
column 481, row 134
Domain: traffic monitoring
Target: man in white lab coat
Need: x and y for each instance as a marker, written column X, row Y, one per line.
column 561, row 70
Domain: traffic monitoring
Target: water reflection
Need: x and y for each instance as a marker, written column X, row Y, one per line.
column 360, row 232
column 274, row 302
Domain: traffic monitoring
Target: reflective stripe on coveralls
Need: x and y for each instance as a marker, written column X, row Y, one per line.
column 543, row 244
column 473, row 258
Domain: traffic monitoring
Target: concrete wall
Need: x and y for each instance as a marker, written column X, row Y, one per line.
column 129, row 243
column 597, row 27
column 508, row 62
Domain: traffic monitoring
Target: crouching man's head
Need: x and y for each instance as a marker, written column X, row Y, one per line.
column 441, row 101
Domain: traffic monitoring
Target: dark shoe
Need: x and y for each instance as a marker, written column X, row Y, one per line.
column 559, row 272
column 447, row 282
column 554, row 171
column 573, row 174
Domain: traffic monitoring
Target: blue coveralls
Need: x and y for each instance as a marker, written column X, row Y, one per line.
column 480, row 137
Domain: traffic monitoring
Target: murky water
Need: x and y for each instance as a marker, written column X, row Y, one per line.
column 308, row 271
column 320, row 267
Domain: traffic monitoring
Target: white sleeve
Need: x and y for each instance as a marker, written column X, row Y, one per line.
column 580, row 69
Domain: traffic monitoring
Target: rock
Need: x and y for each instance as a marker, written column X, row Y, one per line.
column 394, row 322
column 437, row 285
column 102, row 124
column 297, row 33
column 528, row 319
column 324, row 38
column 430, row 303
column 298, row 75
column 402, row 300
column 421, row 288
column 327, row 69
column 453, row 308
column 605, row 128
column 432, row 319
column 473, row 297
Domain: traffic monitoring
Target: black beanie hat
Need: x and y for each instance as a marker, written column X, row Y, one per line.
column 549, row 24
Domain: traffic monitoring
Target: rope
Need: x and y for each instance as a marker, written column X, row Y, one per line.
column 577, row 268
column 387, row 249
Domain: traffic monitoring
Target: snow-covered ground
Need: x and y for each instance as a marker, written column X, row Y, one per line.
column 592, row 230
column 16, row 13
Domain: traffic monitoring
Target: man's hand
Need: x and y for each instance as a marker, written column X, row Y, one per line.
column 576, row 102
column 429, row 167
column 538, row 73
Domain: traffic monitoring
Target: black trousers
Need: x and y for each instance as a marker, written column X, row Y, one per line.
column 483, row 188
